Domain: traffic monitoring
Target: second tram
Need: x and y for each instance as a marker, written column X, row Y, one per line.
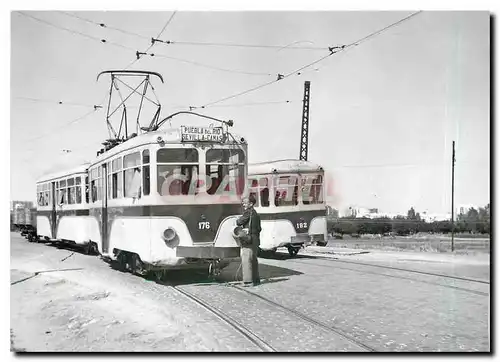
column 290, row 202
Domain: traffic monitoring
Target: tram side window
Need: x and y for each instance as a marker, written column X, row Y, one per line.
column 61, row 197
column 100, row 183
column 312, row 188
column 71, row 190
column 176, row 169
column 93, row 185
column 49, row 195
column 116, row 184
column 132, row 174
column 254, row 190
column 286, row 192
column 39, row 195
column 93, row 188
column 87, row 189
column 110, row 182
column 146, row 176
column 100, row 188
column 43, row 195
column 264, row 192
column 78, row 190
column 227, row 167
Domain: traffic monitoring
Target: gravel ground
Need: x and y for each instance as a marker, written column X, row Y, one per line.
column 280, row 329
column 475, row 266
column 92, row 307
column 100, row 309
column 387, row 313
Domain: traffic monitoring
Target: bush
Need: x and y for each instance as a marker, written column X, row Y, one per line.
column 401, row 226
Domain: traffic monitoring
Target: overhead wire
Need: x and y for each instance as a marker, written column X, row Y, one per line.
column 217, row 44
column 75, row 32
column 96, row 109
column 64, row 103
column 255, row 104
column 279, row 47
column 153, row 42
column 207, row 66
column 105, row 26
column 140, row 54
column 333, row 50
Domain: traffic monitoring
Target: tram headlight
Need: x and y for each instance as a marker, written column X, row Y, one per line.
column 169, row 234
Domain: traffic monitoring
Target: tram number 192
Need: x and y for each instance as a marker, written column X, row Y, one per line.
column 301, row 225
column 204, row 225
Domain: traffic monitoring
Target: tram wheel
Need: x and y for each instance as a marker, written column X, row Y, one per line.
column 122, row 261
column 92, row 249
column 159, row 275
column 214, row 269
column 136, row 266
column 293, row 251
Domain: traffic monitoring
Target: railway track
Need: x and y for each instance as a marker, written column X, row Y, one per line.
column 462, row 279
column 256, row 337
column 308, row 319
column 247, row 333
column 403, row 269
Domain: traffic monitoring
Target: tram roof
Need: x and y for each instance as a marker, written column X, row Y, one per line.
column 283, row 166
column 63, row 173
column 169, row 136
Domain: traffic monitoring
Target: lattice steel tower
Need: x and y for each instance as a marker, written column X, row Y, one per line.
column 305, row 123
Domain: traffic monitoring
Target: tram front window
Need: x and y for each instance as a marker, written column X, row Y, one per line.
column 176, row 180
column 286, row 193
column 312, row 187
column 177, row 168
column 225, row 171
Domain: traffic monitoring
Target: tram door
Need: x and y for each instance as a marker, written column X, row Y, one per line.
column 104, row 209
column 53, row 216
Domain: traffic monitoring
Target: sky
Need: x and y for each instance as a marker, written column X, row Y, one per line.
column 383, row 114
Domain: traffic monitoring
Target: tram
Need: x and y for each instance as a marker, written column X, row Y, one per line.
column 63, row 209
column 169, row 199
column 290, row 202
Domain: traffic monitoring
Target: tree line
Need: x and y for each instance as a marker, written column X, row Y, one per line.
column 472, row 222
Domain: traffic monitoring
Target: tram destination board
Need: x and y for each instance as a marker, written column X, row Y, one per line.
column 202, row 134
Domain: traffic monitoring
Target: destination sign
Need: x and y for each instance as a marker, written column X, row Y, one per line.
column 202, row 134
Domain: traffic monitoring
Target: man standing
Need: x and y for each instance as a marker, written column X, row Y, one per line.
column 249, row 263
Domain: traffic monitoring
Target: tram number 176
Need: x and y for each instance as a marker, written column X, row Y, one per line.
column 204, row 225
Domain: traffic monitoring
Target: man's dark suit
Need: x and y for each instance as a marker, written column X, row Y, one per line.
column 249, row 262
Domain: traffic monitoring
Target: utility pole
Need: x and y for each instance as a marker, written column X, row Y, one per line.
column 453, row 197
column 305, row 123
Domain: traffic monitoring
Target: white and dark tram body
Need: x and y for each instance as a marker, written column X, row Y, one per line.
column 62, row 213
column 164, row 200
column 290, row 202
